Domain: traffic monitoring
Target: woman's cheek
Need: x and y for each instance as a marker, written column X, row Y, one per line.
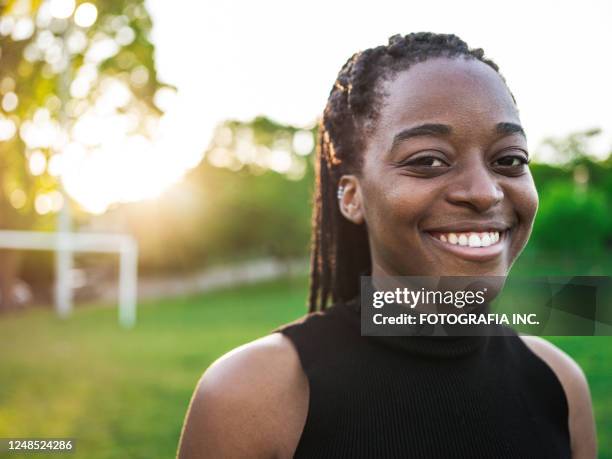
column 529, row 201
column 524, row 198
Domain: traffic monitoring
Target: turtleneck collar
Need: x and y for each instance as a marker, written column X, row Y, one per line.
column 420, row 342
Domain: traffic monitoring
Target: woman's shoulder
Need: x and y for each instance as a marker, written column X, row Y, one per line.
column 332, row 317
column 576, row 388
column 252, row 401
column 561, row 363
column 567, row 371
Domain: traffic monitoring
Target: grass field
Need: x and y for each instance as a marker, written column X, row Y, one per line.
column 123, row 394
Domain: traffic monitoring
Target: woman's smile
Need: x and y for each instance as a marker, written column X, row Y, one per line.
column 476, row 245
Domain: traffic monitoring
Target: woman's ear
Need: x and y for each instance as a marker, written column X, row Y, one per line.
column 350, row 199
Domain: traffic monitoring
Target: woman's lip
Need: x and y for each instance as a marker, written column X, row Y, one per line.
column 475, row 253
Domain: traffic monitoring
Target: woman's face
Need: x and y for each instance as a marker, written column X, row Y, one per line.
column 444, row 174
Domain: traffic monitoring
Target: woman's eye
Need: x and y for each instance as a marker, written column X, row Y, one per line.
column 426, row 161
column 512, row 161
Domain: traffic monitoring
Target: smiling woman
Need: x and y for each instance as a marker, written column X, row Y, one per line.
column 422, row 170
column 449, row 157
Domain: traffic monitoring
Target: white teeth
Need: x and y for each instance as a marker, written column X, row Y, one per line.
column 474, row 240
column 471, row 238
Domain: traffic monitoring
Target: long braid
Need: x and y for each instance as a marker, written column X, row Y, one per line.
column 340, row 249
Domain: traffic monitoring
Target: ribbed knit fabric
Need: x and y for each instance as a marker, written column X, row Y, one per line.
column 424, row 397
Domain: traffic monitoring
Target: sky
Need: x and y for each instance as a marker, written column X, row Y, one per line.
column 240, row 59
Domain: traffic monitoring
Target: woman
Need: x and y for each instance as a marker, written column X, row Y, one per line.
column 420, row 146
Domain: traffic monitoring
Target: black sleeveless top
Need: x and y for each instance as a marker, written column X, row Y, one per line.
column 424, row 397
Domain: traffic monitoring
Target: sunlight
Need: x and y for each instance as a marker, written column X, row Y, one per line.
column 126, row 169
column 111, row 154
column 109, row 161
column 85, row 15
column 62, row 9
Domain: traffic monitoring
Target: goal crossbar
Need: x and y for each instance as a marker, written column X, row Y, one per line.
column 68, row 242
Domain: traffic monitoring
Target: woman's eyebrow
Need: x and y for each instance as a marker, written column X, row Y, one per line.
column 509, row 128
column 431, row 129
column 434, row 129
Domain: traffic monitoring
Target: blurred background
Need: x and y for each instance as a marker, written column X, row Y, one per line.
column 171, row 143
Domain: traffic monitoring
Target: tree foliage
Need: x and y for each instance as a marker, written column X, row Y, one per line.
column 250, row 197
column 53, row 74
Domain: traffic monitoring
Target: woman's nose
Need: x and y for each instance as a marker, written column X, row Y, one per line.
column 475, row 187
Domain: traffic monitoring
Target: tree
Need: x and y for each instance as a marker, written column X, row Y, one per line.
column 576, row 192
column 250, row 197
column 63, row 67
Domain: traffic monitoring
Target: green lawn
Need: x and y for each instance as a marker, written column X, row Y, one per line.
column 123, row 394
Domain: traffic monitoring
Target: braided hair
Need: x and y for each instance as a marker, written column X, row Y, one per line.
column 340, row 251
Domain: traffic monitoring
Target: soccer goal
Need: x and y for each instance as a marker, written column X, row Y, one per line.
column 64, row 244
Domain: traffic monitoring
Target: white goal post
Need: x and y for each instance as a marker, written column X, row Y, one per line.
column 64, row 244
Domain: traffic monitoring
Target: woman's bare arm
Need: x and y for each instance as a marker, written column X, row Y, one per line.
column 251, row 403
column 581, row 419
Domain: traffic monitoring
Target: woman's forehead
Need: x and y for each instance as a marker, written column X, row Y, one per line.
column 447, row 91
